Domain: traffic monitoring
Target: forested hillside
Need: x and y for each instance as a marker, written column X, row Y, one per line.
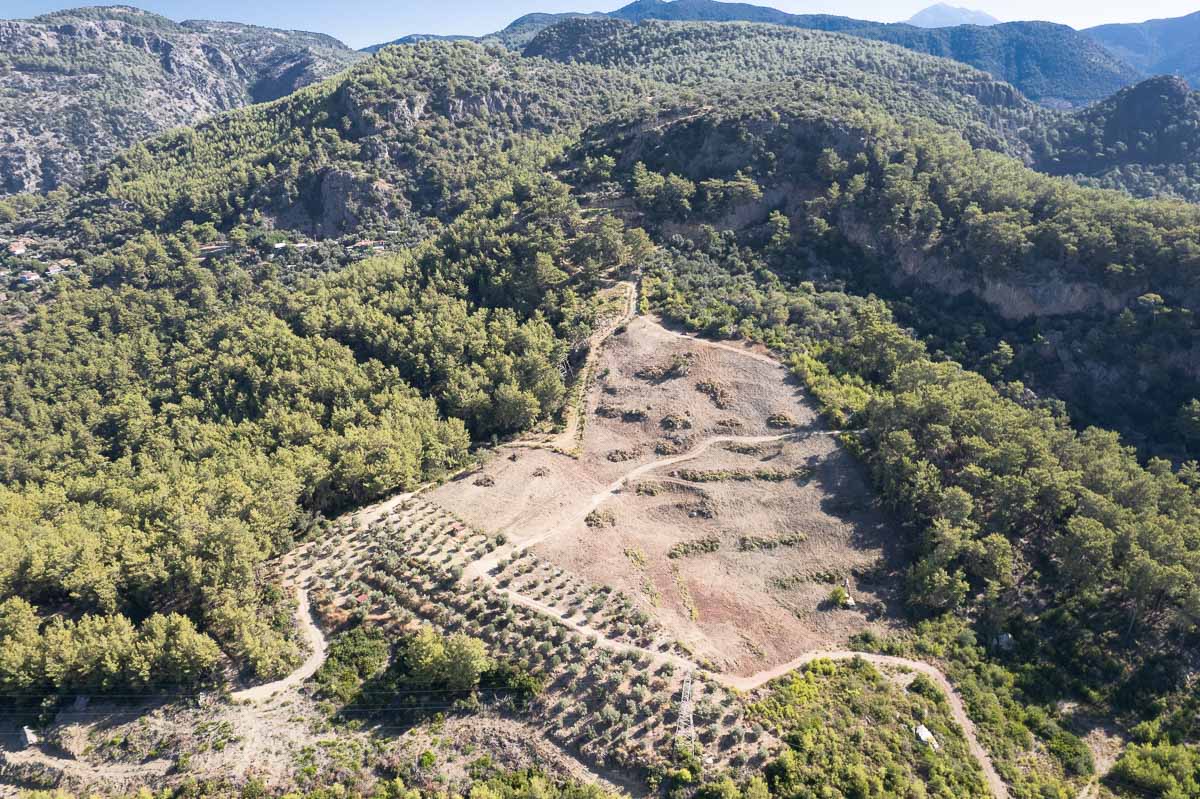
column 1144, row 139
column 1051, row 64
column 171, row 423
column 404, row 137
column 297, row 308
column 77, row 86
column 988, row 112
column 1141, row 140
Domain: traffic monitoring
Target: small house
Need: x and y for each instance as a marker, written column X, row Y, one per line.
column 28, row 277
column 28, row 737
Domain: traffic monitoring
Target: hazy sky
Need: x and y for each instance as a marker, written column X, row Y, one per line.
column 363, row 22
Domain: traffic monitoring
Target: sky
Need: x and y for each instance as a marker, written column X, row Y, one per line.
column 362, row 22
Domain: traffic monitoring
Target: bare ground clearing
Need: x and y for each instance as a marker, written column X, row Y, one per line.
column 663, row 405
column 661, row 399
column 741, row 571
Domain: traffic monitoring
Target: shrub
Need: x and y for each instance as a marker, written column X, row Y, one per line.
column 600, row 518
column 781, row 421
column 698, row 546
column 353, row 657
column 716, row 392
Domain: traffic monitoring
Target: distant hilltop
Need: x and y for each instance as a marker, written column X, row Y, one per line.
column 941, row 15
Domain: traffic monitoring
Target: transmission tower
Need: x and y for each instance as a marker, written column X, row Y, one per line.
column 687, row 729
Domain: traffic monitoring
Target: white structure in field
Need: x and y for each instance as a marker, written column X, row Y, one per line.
column 927, row 737
column 687, row 729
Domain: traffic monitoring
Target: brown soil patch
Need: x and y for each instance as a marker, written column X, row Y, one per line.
column 760, row 597
column 791, row 518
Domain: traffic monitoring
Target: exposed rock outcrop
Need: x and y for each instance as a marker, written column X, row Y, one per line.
column 77, row 86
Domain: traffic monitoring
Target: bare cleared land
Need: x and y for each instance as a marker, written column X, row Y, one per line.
column 706, row 491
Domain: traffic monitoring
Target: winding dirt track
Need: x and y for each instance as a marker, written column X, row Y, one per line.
column 995, row 784
column 123, row 775
column 565, row 440
column 745, row 352
column 317, row 646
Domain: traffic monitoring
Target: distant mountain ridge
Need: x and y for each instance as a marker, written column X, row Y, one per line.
column 987, row 112
column 514, row 36
column 415, row 38
column 703, row 11
column 1049, row 63
column 1052, row 64
column 1157, row 46
column 942, row 15
column 77, row 86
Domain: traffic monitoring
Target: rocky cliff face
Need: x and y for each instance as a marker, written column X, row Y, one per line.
column 1047, row 293
column 77, row 86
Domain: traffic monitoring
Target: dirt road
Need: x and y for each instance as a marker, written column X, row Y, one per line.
column 483, row 566
column 118, row 777
column 567, row 440
column 315, row 639
column 957, row 708
column 958, row 711
column 747, row 351
column 749, row 683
